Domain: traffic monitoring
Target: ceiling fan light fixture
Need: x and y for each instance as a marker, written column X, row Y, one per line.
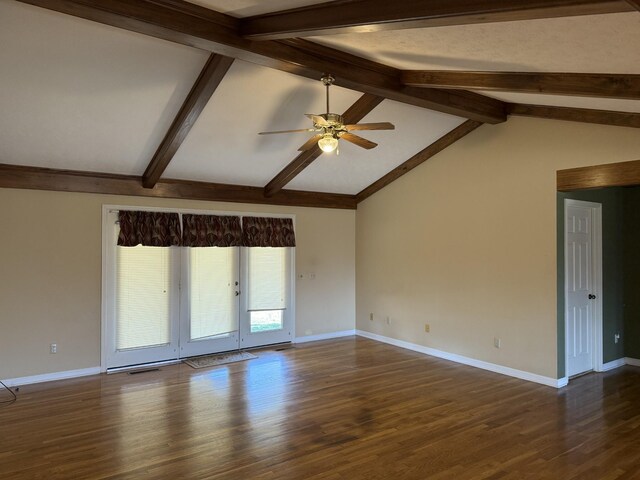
column 330, row 127
column 328, row 143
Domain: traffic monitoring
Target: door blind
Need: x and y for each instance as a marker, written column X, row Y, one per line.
column 213, row 308
column 142, row 297
column 267, row 278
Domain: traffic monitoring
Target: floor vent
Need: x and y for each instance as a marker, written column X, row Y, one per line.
column 135, row 372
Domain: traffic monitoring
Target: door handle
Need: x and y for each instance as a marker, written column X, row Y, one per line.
column 591, row 296
column 237, row 293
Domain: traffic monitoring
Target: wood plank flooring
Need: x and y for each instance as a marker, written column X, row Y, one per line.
column 341, row 409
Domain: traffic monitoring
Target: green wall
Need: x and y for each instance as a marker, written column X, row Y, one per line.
column 631, row 248
column 613, row 318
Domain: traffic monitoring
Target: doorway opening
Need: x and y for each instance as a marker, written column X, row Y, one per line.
column 614, row 189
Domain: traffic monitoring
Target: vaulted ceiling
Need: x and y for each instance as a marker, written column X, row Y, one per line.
column 166, row 98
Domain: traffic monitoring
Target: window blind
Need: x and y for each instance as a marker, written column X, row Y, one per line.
column 142, row 297
column 267, row 278
column 213, row 305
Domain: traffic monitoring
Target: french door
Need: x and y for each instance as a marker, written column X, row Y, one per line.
column 266, row 305
column 210, row 300
column 166, row 303
column 141, row 287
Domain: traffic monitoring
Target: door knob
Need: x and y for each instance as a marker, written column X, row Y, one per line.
column 591, row 296
column 237, row 293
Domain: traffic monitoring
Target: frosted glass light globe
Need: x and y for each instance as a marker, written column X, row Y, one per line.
column 328, row 143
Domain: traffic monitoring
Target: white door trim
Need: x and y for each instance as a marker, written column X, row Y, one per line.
column 596, row 257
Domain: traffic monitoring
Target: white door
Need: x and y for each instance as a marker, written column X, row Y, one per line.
column 580, row 281
column 143, row 286
column 267, row 306
column 210, row 300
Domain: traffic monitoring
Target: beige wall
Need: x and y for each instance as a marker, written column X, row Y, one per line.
column 467, row 242
column 50, row 284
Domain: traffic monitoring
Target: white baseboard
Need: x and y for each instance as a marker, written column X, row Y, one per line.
column 511, row 372
column 634, row 362
column 50, row 377
column 613, row 364
column 324, row 336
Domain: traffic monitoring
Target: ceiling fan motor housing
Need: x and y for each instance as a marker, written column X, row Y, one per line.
column 334, row 125
column 333, row 118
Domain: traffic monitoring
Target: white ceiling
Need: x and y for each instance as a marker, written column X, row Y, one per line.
column 79, row 95
column 247, row 8
column 596, row 43
column 223, row 145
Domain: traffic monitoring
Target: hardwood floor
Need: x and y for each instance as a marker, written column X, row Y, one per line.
column 341, row 409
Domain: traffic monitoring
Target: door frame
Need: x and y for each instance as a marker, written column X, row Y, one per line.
column 596, row 272
column 105, row 290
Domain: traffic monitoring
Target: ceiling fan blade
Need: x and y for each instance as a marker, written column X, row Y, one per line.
column 289, row 131
column 310, row 143
column 359, row 141
column 371, row 126
column 317, row 119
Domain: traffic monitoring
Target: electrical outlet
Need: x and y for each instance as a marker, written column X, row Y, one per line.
column 427, row 328
column 616, row 338
column 371, row 317
column 312, row 276
column 53, row 348
column 497, row 342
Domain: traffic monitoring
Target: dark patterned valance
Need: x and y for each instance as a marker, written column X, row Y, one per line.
column 268, row 232
column 211, row 231
column 151, row 229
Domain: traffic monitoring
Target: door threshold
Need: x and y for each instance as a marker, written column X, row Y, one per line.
column 578, row 375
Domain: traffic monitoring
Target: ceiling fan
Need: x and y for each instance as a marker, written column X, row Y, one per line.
column 330, row 127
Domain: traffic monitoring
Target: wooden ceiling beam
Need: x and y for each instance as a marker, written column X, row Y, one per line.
column 603, row 85
column 584, row 115
column 419, row 158
column 635, row 4
column 188, row 24
column 353, row 16
column 622, row 174
column 32, row 178
column 354, row 114
column 212, row 74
